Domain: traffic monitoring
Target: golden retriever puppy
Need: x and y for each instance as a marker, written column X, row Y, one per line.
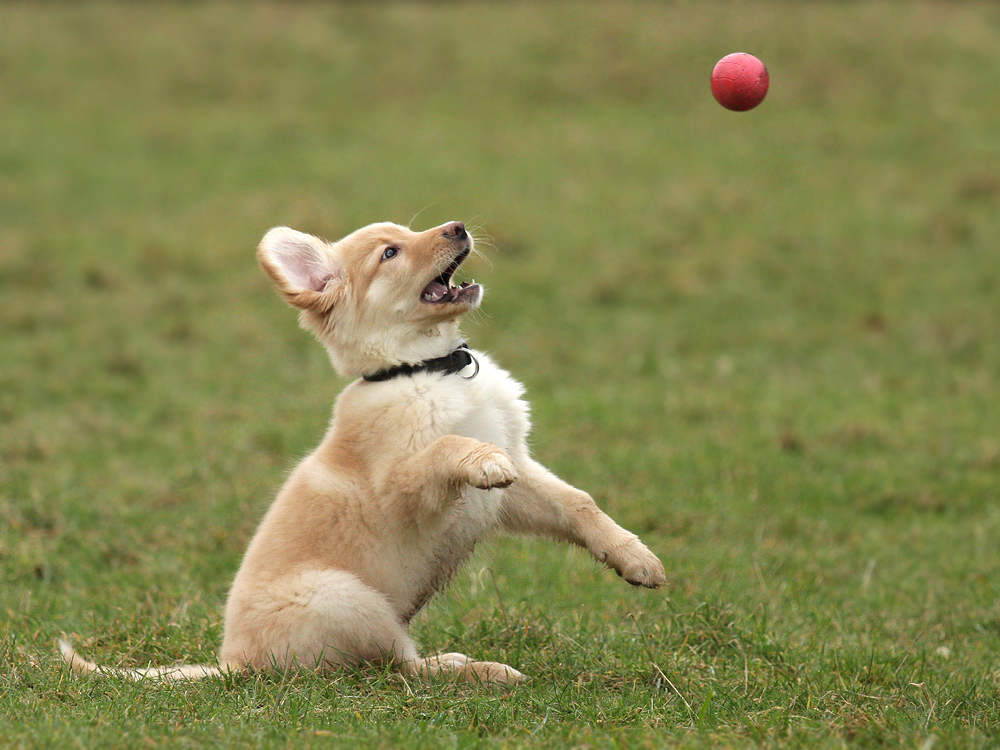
column 426, row 454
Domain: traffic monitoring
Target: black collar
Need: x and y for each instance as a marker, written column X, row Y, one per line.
column 449, row 364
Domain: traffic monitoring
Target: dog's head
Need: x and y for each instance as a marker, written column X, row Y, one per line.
column 381, row 296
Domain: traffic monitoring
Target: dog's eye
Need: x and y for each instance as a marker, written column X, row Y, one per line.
column 390, row 252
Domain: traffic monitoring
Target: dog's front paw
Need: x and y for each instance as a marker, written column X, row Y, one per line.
column 488, row 468
column 633, row 561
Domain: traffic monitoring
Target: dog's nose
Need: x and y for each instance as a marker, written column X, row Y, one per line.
column 456, row 231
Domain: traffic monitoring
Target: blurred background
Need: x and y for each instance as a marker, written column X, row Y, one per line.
column 768, row 342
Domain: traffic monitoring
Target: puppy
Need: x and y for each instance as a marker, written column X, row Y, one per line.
column 426, row 455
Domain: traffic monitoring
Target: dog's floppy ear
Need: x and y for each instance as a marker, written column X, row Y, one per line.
column 302, row 267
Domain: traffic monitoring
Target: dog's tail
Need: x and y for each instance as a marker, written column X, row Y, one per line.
column 187, row 672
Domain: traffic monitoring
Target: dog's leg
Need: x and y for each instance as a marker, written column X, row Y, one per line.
column 541, row 503
column 468, row 670
column 324, row 618
column 320, row 617
column 437, row 474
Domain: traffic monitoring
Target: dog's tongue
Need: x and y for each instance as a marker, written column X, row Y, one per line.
column 435, row 290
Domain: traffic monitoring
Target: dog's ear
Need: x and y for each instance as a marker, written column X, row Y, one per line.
column 302, row 267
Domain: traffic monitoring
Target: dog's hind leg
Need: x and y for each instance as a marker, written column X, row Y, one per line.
column 315, row 618
column 468, row 670
column 323, row 618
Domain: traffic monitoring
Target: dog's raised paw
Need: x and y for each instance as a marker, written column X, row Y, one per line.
column 496, row 472
column 490, row 468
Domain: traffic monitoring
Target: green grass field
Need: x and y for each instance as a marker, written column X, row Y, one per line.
column 767, row 342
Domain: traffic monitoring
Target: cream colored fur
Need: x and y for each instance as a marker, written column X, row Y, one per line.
column 410, row 475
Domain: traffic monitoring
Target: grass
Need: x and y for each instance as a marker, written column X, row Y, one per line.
column 766, row 342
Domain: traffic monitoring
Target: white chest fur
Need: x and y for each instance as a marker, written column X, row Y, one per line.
column 489, row 407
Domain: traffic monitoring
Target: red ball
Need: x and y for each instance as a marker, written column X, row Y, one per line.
column 739, row 81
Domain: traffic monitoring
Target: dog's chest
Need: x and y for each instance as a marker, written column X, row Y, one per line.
column 489, row 411
column 488, row 408
column 487, row 423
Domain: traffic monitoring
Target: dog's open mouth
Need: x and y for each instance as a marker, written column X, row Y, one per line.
column 441, row 290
